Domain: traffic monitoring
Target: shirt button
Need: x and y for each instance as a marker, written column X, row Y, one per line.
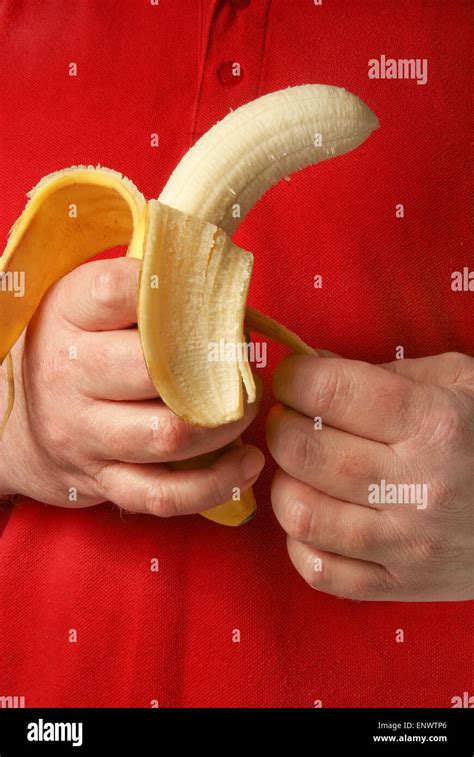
column 230, row 73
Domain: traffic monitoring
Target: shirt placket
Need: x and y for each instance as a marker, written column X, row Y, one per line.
column 234, row 42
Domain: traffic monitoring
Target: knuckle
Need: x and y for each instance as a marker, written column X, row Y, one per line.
column 171, row 436
column 298, row 520
column 105, row 288
column 159, row 501
column 450, row 426
column 297, row 449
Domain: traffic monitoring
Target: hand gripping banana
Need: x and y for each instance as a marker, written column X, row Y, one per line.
column 194, row 280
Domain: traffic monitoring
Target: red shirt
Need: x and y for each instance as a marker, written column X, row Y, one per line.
column 144, row 69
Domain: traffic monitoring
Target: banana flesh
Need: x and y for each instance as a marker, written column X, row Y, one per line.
column 234, row 163
column 203, row 281
column 194, row 280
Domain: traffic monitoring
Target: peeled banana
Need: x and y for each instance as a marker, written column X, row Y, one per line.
column 194, row 280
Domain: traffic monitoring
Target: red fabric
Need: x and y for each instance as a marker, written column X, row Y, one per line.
column 167, row 636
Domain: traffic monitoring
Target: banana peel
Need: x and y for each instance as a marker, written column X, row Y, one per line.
column 194, row 280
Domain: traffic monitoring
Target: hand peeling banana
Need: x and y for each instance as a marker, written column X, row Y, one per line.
column 194, row 280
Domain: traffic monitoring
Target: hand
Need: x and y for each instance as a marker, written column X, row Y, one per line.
column 87, row 418
column 407, row 422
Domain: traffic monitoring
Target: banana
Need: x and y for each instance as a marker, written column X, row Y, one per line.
column 233, row 164
column 194, row 280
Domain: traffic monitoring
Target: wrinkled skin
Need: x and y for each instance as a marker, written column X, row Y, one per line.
column 410, row 421
column 87, row 417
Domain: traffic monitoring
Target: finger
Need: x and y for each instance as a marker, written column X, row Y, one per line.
column 341, row 576
column 112, row 366
column 101, row 295
column 329, row 524
column 442, row 370
column 148, row 432
column 357, row 397
column 156, row 490
column 332, row 461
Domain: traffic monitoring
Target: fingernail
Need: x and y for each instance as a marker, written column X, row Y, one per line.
column 251, row 464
